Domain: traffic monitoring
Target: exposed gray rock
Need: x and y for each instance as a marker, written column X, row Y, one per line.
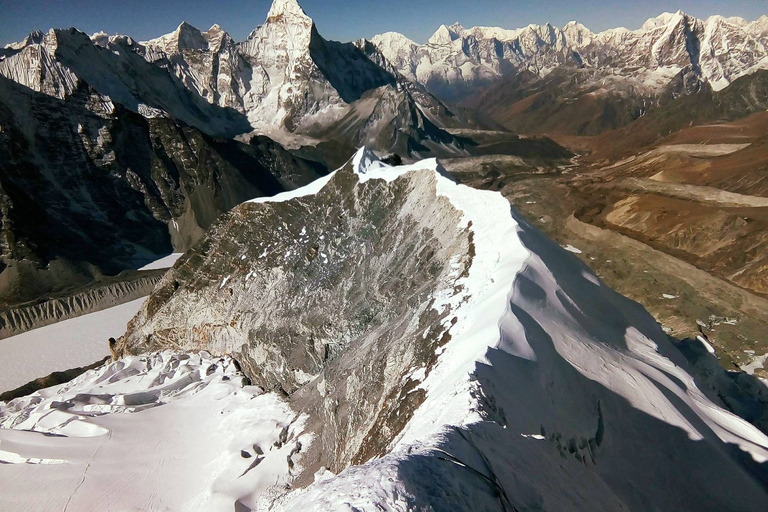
column 329, row 294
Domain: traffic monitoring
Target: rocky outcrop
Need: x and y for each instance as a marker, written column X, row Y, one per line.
column 338, row 289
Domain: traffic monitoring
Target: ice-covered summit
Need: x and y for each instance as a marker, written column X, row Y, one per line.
column 289, row 9
column 446, row 35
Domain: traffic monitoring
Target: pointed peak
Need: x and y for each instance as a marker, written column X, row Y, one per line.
column 286, row 8
column 186, row 26
column 444, row 35
column 189, row 37
column 364, row 160
column 665, row 19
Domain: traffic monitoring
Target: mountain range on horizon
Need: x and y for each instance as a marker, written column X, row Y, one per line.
column 717, row 50
column 505, row 269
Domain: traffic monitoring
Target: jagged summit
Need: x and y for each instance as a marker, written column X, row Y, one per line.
column 445, row 34
column 189, row 37
column 717, row 50
column 665, row 19
column 288, row 9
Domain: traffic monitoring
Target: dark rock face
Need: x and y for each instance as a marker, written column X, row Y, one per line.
column 87, row 187
column 327, row 298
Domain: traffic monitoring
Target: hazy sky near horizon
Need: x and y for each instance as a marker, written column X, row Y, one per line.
column 344, row 20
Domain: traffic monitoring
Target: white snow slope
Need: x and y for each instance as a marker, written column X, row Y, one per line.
column 160, row 432
column 57, row 347
column 553, row 393
column 164, row 262
column 72, row 343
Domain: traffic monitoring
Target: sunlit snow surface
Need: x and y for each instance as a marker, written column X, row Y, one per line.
column 71, row 343
column 155, row 432
column 553, row 393
column 164, row 262
column 57, row 347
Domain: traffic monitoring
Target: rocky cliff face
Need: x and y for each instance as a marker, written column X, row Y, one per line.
column 89, row 187
column 337, row 289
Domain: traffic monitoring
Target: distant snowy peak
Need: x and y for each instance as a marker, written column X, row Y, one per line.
column 35, row 37
column 758, row 28
column 188, row 37
column 577, row 35
column 456, row 61
column 394, row 42
column 287, row 28
column 500, row 34
column 185, row 37
column 445, row 35
column 289, row 9
column 664, row 19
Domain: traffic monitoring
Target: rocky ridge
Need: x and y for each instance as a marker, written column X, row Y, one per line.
column 408, row 348
column 24, row 318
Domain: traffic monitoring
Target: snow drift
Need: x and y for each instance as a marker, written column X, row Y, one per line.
column 419, row 346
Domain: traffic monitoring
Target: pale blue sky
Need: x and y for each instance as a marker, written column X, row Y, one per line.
column 341, row 19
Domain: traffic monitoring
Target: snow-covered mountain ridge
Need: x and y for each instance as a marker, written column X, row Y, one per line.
column 500, row 374
column 457, row 61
